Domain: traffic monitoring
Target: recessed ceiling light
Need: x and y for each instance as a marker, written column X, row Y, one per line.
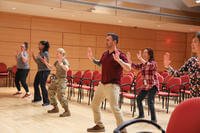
column 197, row 1
column 14, row 8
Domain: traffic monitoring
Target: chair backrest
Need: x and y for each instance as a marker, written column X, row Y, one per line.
column 14, row 69
column 174, row 84
column 167, row 78
column 95, row 73
column 88, row 76
column 130, row 74
column 69, row 75
column 97, row 78
column 185, row 81
column 139, row 85
column 161, row 80
column 185, row 118
column 3, row 68
column 77, row 77
column 126, row 79
column 165, row 74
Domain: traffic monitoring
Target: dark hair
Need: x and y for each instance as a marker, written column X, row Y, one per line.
column 150, row 53
column 114, row 37
column 45, row 44
column 197, row 35
column 26, row 45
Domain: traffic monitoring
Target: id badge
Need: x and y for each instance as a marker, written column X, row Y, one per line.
column 145, row 82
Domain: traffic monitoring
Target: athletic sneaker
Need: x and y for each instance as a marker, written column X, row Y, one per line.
column 26, row 95
column 96, row 128
column 17, row 93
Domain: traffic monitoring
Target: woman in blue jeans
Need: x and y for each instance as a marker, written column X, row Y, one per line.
column 42, row 74
column 148, row 68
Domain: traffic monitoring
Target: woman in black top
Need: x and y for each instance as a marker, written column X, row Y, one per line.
column 42, row 74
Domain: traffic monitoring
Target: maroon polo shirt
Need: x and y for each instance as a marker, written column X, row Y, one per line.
column 111, row 69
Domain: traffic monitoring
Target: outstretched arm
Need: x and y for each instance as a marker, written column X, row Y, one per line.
column 91, row 57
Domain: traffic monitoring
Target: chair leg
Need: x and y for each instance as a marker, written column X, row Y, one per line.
column 89, row 97
column 167, row 104
column 162, row 102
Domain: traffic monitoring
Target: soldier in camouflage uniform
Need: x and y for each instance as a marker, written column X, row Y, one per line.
column 58, row 85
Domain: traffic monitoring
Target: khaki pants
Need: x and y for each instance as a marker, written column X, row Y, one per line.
column 111, row 93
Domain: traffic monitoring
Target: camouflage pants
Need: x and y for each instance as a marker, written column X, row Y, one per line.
column 58, row 87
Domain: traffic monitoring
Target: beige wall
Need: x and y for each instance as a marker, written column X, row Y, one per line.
column 75, row 37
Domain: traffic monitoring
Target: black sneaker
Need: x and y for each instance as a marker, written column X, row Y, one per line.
column 45, row 104
column 35, row 101
column 96, row 128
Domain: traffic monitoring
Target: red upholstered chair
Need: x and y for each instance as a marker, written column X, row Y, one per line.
column 161, row 81
column 85, row 84
column 127, row 91
column 76, row 80
column 12, row 75
column 184, row 119
column 165, row 74
column 173, row 89
column 95, row 73
column 69, row 83
column 4, row 72
column 185, row 82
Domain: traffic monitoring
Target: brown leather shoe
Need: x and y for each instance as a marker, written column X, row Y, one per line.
column 17, row 93
column 54, row 110
column 65, row 114
column 96, row 128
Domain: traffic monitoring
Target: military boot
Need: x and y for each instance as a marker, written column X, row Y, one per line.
column 66, row 113
column 54, row 110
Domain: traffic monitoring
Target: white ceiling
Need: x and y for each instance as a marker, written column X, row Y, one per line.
column 97, row 16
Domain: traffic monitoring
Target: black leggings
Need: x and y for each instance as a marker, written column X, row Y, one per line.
column 151, row 95
column 21, row 76
column 40, row 80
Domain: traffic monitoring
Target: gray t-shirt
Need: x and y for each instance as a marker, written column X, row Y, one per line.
column 20, row 63
column 60, row 72
column 40, row 64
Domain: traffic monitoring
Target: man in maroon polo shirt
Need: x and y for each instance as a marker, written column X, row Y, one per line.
column 113, row 61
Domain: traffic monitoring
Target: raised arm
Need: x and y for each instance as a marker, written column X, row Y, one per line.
column 181, row 71
column 139, row 56
column 133, row 65
column 126, row 66
column 91, row 57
